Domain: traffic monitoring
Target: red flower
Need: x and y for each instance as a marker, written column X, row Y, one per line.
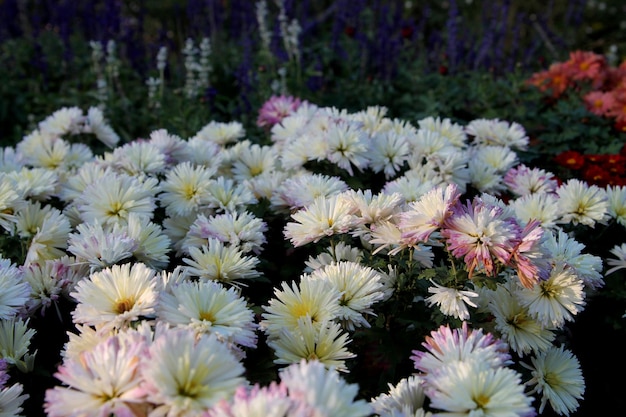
column 570, row 159
column 597, row 175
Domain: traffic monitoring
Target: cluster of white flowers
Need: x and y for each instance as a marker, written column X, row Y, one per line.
column 157, row 244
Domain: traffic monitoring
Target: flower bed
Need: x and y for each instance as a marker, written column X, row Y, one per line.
column 354, row 264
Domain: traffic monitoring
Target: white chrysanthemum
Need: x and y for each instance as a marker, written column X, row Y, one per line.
column 139, row 158
column 373, row 208
column 388, row 153
column 227, row 195
column 75, row 184
column 557, row 376
column 410, row 187
column 360, row 288
column 582, row 203
column 425, row 144
column 542, row 207
column 324, row 390
column 347, row 146
column 103, row 381
column 471, row 388
column 407, row 396
column 51, row 154
column 451, row 302
column 219, row 262
column 110, row 199
column 221, row 133
column 11, row 400
column 387, row 235
column 616, row 196
column 556, row 300
column 326, row 216
column 336, row 253
column 243, row 230
column 202, row 152
column 51, row 238
column 173, row 147
column 185, row 189
column 253, row 160
column 568, row 251
column 500, row 158
column 446, row 128
column 208, row 307
column 484, row 178
column 307, row 147
column 14, row 290
column 299, row 191
column 153, row 246
column 451, row 167
column 100, row 248
column 66, row 120
column 619, row 251
column 10, row 202
column 15, row 337
column 314, row 298
column 323, row 342
column 35, row 183
column 116, row 296
column 176, row 228
column 185, row 374
column 265, row 184
column 96, row 124
column 514, row 323
column 78, row 155
column 498, row 132
column 10, row 160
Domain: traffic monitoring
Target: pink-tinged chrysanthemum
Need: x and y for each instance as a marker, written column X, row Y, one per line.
column 557, row 376
column 326, row 216
column 478, row 233
column 275, row 109
column 527, row 257
column 469, row 388
column 186, row 374
column 324, row 390
column 446, row 345
column 101, row 382
column 256, row 401
column 116, row 296
column 451, row 302
column 522, row 180
column 428, row 214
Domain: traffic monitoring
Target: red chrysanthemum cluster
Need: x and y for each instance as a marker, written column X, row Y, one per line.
column 607, row 97
column 597, row 169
